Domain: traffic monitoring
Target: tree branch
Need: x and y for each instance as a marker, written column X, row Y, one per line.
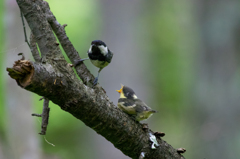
column 71, row 52
column 44, row 116
column 24, row 30
column 34, row 50
column 54, row 79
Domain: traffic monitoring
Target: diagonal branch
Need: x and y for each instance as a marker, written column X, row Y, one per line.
column 91, row 108
column 55, row 80
column 66, row 44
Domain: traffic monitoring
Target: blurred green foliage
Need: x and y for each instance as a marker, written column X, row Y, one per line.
column 80, row 20
column 171, row 46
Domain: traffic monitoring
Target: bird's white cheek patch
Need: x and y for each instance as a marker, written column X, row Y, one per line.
column 90, row 49
column 134, row 96
column 103, row 49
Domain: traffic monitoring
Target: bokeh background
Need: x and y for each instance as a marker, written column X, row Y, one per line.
column 181, row 57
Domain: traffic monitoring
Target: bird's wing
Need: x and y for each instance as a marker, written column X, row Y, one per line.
column 141, row 106
column 127, row 105
column 109, row 56
column 126, row 102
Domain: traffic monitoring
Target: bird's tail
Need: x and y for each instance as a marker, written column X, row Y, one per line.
column 154, row 111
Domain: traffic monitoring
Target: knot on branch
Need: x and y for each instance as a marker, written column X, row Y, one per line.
column 20, row 69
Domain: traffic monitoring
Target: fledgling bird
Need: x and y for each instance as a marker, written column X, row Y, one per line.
column 130, row 104
column 99, row 55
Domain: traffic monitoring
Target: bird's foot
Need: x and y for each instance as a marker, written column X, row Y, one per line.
column 78, row 62
column 95, row 81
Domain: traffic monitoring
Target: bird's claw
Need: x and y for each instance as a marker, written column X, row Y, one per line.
column 77, row 62
column 95, row 81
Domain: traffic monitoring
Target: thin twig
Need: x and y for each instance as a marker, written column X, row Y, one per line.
column 23, row 57
column 37, row 115
column 24, row 29
column 45, row 116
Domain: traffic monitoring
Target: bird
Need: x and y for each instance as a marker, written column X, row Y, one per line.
column 130, row 104
column 99, row 55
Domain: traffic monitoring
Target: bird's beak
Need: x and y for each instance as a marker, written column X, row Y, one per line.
column 120, row 90
column 94, row 47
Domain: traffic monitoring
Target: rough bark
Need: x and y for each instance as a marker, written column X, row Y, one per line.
column 54, row 79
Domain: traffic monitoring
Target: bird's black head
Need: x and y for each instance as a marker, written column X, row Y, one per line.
column 98, row 48
column 128, row 92
column 98, row 43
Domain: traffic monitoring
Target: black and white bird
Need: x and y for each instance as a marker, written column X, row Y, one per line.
column 99, row 55
column 130, row 104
